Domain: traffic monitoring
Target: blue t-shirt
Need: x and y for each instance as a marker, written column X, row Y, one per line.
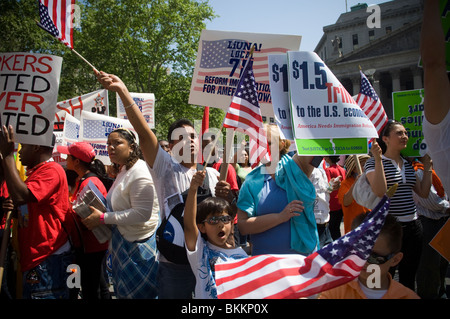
column 276, row 240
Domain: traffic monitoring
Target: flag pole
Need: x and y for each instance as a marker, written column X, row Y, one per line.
column 224, row 171
column 82, row 58
column 72, row 49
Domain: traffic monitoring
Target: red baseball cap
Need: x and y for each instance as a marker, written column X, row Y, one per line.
column 81, row 150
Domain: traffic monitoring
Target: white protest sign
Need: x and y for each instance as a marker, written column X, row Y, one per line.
column 326, row 119
column 71, row 130
column 279, row 90
column 29, row 91
column 95, row 128
column 145, row 102
column 66, row 136
column 95, row 102
column 221, row 57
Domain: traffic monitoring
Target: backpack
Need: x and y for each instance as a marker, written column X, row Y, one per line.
column 170, row 233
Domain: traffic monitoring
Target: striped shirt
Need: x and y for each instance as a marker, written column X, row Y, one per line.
column 402, row 203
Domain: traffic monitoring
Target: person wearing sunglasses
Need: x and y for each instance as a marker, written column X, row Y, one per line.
column 375, row 280
column 208, row 237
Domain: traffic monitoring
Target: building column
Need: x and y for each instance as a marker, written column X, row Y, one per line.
column 376, row 82
column 417, row 76
column 395, row 80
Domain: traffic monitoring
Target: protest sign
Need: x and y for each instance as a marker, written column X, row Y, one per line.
column 95, row 102
column 71, row 130
column 95, row 128
column 145, row 102
column 29, row 91
column 279, row 91
column 66, row 134
column 221, row 57
column 408, row 109
column 326, row 120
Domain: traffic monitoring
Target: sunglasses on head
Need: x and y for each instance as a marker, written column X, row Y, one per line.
column 378, row 259
column 216, row 219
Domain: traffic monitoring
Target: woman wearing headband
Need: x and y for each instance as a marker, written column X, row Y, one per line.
column 133, row 213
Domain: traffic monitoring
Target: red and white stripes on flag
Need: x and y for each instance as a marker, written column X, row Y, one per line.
column 244, row 114
column 57, row 19
column 296, row 276
column 370, row 103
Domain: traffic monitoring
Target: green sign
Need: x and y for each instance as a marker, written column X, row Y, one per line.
column 338, row 146
column 408, row 109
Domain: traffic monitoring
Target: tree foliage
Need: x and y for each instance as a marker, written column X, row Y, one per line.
column 150, row 44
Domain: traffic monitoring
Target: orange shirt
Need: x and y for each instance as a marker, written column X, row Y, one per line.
column 352, row 290
column 354, row 209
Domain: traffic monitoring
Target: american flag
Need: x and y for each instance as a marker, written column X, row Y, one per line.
column 57, row 19
column 244, row 114
column 370, row 103
column 296, row 276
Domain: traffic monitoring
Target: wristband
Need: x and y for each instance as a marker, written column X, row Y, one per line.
column 127, row 107
column 102, row 218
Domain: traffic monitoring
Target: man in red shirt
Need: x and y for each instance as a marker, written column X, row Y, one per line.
column 44, row 218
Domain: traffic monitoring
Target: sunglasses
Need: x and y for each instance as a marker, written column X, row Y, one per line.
column 216, row 219
column 378, row 259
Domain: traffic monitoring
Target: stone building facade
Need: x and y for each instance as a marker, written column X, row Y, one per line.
column 387, row 53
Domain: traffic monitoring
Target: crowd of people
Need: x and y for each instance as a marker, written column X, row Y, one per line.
column 172, row 218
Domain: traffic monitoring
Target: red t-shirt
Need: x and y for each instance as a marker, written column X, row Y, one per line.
column 334, row 171
column 4, row 194
column 40, row 231
column 231, row 175
column 90, row 242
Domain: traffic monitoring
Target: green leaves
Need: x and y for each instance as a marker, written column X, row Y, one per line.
column 150, row 45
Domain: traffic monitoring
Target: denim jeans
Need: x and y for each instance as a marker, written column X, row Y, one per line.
column 175, row 281
column 48, row 280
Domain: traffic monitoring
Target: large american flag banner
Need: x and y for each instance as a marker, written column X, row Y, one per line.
column 370, row 103
column 296, row 276
column 244, row 114
column 57, row 19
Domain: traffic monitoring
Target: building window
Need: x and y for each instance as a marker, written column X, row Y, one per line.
column 388, row 30
column 371, row 35
column 355, row 41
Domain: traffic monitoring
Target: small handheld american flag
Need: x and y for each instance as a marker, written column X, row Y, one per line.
column 244, row 114
column 57, row 19
column 370, row 103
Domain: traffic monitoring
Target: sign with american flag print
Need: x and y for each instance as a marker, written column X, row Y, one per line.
column 95, row 128
column 144, row 101
column 221, row 58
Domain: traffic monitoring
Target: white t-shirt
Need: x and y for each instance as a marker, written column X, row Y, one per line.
column 202, row 261
column 171, row 179
column 438, row 144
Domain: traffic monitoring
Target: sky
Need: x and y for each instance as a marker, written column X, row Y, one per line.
column 291, row 17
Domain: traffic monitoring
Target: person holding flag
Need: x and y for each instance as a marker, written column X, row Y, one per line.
column 389, row 168
column 172, row 175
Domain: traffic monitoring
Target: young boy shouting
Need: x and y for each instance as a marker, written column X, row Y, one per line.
column 207, row 229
